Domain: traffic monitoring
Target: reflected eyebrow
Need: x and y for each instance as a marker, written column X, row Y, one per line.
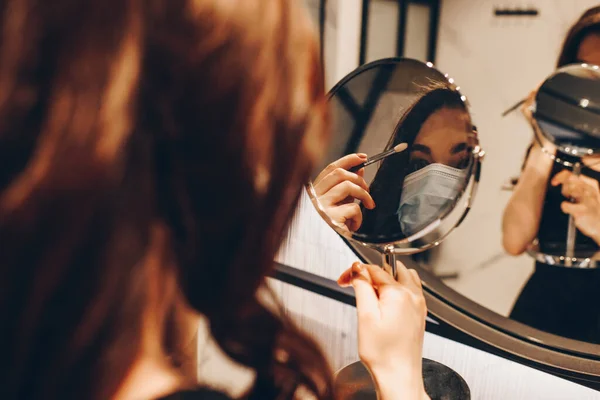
column 458, row 148
column 420, row 147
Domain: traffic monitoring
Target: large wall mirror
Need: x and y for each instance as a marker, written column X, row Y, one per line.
column 488, row 278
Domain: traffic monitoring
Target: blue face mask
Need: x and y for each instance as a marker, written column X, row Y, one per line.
column 426, row 193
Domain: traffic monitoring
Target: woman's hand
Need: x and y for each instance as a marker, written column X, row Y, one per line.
column 585, row 207
column 391, row 326
column 526, row 107
column 337, row 189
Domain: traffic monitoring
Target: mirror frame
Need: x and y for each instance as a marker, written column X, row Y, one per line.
column 539, row 134
column 437, row 230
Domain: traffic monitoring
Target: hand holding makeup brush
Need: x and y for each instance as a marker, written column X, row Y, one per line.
column 337, row 189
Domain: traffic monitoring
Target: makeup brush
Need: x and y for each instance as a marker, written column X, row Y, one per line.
column 397, row 149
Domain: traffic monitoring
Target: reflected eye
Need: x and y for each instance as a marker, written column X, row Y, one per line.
column 416, row 164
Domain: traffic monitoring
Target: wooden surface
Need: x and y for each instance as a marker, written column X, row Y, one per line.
column 314, row 247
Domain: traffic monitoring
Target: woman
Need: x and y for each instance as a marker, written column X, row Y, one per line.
column 436, row 130
column 558, row 300
column 151, row 155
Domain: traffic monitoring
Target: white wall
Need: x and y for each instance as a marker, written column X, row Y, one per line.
column 341, row 36
column 417, row 31
column 342, row 39
column 496, row 61
column 382, row 29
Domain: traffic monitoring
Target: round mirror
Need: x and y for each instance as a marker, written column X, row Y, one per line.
column 566, row 113
column 404, row 161
column 399, row 175
column 566, row 122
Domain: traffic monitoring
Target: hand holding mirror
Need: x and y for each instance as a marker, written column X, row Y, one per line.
column 399, row 176
column 566, row 122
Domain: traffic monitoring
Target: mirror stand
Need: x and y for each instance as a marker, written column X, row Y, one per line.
column 354, row 381
column 572, row 230
column 389, row 257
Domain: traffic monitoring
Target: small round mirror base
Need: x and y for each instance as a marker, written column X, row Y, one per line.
column 354, row 382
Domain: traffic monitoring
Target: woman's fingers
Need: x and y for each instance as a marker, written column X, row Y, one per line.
column 379, row 276
column 367, row 301
column 565, row 176
column 345, row 278
column 590, row 182
column 560, row 178
column 352, row 215
column 337, row 176
column 371, row 281
column 354, row 271
column 416, row 279
column 573, row 209
column 348, row 215
column 572, row 188
column 346, row 162
column 580, row 188
column 404, row 276
column 342, row 190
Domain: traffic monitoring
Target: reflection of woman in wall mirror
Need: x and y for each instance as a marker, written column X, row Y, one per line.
column 414, row 188
column 559, row 300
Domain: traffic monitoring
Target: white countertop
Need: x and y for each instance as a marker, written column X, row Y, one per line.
column 312, row 246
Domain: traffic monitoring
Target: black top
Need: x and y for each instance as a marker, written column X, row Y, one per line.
column 554, row 222
column 199, row 394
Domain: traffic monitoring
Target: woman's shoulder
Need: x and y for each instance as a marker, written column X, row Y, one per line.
column 198, row 394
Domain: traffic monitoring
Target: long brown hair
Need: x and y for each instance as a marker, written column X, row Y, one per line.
column 176, row 133
column 589, row 22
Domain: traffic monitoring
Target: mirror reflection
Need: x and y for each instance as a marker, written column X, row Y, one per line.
column 529, row 247
column 529, row 251
column 407, row 152
column 555, row 207
column 566, row 122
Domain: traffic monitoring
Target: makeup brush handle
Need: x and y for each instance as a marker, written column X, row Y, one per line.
column 358, row 167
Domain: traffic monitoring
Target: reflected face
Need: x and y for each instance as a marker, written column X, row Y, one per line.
column 589, row 49
column 443, row 139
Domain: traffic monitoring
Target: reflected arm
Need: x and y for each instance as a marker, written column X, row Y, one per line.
column 522, row 214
